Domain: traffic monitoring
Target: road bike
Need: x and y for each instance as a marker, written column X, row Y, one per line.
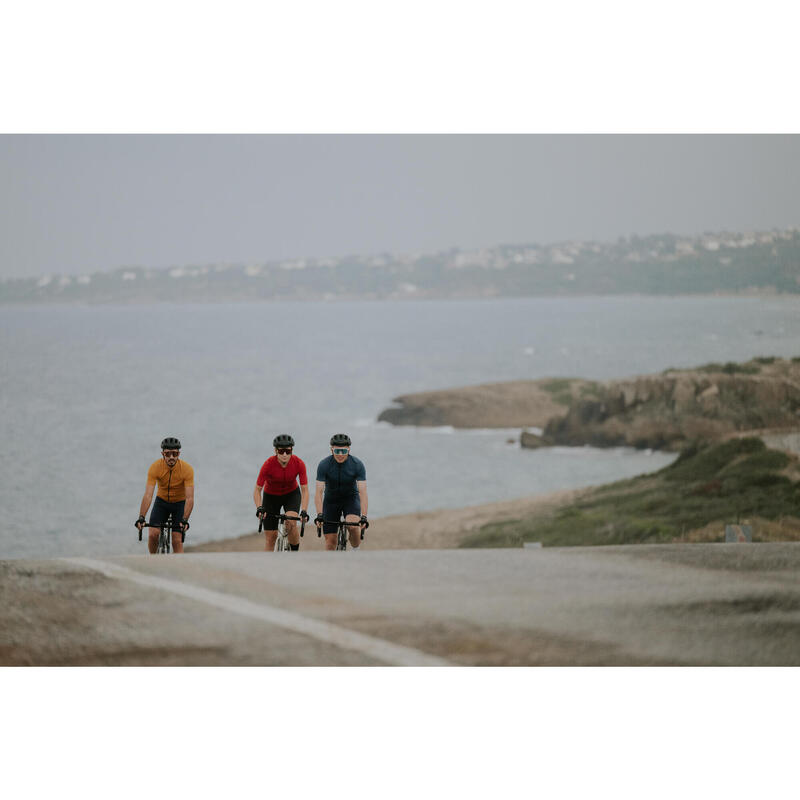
column 164, row 536
column 341, row 530
column 282, row 542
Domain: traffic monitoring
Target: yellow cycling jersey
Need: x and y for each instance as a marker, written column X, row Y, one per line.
column 172, row 483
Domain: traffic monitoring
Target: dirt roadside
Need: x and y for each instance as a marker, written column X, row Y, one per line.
column 427, row 530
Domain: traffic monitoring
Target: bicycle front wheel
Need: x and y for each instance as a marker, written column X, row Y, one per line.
column 341, row 539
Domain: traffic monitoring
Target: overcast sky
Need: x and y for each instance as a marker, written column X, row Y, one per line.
column 75, row 204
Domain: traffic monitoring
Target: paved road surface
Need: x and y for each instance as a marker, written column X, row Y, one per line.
column 635, row 605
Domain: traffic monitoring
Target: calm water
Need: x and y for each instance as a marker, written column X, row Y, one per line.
column 88, row 394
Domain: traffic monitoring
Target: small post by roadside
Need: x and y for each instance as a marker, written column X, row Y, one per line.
column 738, row 533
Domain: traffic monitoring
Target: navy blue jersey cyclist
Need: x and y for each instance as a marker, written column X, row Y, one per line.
column 341, row 489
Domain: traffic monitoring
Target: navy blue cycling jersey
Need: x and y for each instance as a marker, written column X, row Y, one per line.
column 340, row 479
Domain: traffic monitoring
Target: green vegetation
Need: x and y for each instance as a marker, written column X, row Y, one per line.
column 566, row 390
column 704, row 486
column 732, row 368
column 560, row 389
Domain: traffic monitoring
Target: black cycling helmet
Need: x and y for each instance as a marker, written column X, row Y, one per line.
column 283, row 440
column 340, row 440
column 171, row 443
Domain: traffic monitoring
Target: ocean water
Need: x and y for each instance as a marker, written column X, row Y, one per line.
column 87, row 394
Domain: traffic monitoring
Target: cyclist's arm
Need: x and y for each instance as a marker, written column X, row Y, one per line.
column 362, row 495
column 304, row 497
column 257, row 495
column 187, row 509
column 318, row 496
column 147, row 499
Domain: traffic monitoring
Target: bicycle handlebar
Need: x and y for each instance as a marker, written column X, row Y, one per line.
column 167, row 523
column 338, row 522
column 284, row 518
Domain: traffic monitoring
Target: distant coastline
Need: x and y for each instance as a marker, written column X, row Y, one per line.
column 758, row 263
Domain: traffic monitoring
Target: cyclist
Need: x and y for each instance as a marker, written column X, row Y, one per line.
column 175, row 479
column 341, row 488
column 276, row 489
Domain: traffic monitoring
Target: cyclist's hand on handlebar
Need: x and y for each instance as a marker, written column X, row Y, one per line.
column 261, row 511
column 185, row 525
column 364, row 522
column 304, row 516
column 139, row 523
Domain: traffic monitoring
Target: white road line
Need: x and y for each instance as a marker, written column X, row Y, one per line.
column 380, row 649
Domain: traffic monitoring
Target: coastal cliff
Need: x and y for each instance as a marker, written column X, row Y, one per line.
column 668, row 411
column 664, row 411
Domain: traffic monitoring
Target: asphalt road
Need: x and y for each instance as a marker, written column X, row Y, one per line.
column 714, row 604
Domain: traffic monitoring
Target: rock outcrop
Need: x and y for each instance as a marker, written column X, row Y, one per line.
column 666, row 411
column 663, row 411
column 514, row 404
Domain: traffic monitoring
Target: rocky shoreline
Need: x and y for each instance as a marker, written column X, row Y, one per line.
column 664, row 411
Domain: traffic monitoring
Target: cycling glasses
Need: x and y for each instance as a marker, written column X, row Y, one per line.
column 283, row 450
column 340, row 451
column 172, row 453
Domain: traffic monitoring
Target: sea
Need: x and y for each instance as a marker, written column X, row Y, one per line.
column 88, row 393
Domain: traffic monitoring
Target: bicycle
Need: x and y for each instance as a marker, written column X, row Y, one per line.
column 165, row 535
column 282, row 542
column 341, row 530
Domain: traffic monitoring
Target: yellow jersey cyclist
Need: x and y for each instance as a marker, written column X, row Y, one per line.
column 175, row 481
column 341, row 489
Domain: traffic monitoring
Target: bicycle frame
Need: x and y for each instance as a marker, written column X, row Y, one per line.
column 165, row 535
column 341, row 530
column 282, row 542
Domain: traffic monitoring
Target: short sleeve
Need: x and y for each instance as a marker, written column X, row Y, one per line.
column 262, row 475
column 321, row 471
column 152, row 474
column 301, row 472
column 188, row 478
column 361, row 472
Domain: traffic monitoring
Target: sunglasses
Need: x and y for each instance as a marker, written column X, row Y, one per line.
column 283, row 450
column 340, row 451
column 171, row 453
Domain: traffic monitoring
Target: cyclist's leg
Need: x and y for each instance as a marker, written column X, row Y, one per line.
column 273, row 504
column 157, row 517
column 177, row 516
column 352, row 512
column 330, row 510
column 291, row 505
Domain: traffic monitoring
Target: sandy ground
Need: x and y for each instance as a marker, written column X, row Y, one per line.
column 422, row 531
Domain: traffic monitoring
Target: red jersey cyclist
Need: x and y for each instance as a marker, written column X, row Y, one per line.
column 175, row 480
column 276, row 489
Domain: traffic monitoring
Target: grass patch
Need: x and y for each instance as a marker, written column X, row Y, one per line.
column 732, row 368
column 720, row 483
column 560, row 389
column 565, row 390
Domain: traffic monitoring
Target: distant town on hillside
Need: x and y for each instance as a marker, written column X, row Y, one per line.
column 711, row 263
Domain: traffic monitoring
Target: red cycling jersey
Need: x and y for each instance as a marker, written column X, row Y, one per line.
column 275, row 479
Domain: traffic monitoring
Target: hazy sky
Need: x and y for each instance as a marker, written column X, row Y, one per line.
column 73, row 204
